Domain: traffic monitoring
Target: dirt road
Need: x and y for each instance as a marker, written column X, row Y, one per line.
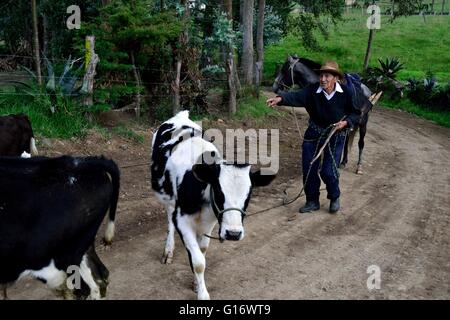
column 395, row 216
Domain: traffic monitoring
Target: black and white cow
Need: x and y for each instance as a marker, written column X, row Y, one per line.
column 16, row 136
column 198, row 189
column 50, row 212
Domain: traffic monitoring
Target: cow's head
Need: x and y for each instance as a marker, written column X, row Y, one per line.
column 229, row 193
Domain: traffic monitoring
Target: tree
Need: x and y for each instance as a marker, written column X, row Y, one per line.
column 37, row 57
column 260, row 41
column 230, row 62
column 247, row 45
column 310, row 19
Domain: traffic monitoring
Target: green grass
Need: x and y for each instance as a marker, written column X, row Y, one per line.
column 129, row 134
column 251, row 107
column 420, row 46
column 440, row 117
column 64, row 124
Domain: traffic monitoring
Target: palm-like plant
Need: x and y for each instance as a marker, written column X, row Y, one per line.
column 390, row 67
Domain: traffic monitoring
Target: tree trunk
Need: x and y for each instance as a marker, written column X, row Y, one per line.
column 45, row 35
column 138, row 82
column 231, row 85
column 37, row 57
column 392, row 8
column 91, row 64
column 176, row 88
column 369, row 46
column 443, row 6
column 247, row 48
column 432, row 6
column 231, row 66
column 183, row 41
column 260, row 43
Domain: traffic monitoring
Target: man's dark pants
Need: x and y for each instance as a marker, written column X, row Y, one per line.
column 329, row 170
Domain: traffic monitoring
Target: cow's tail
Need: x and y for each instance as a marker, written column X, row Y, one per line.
column 33, row 149
column 113, row 170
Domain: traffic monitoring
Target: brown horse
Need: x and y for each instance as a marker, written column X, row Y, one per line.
column 300, row 71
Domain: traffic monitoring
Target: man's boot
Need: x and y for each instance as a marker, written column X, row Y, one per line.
column 310, row 206
column 334, row 205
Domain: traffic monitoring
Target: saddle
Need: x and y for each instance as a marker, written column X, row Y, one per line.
column 353, row 84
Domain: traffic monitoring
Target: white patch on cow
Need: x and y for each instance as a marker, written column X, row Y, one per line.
column 186, row 155
column 25, row 155
column 33, row 149
column 72, row 180
column 110, row 230
column 86, row 274
column 54, row 277
column 235, row 184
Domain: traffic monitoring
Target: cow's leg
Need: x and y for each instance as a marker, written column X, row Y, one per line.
column 203, row 240
column 196, row 258
column 209, row 220
column 362, row 134
column 348, row 146
column 87, row 275
column 170, row 241
column 98, row 270
column 55, row 280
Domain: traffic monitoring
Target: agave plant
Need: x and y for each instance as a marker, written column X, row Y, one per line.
column 429, row 83
column 68, row 79
column 65, row 85
column 390, row 67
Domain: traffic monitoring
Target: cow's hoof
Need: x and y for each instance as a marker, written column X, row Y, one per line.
column 194, row 286
column 203, row 296
column 167, row 258
column 359, row 171
column 342, row 165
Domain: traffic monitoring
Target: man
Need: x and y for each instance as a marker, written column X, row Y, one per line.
column 329, row 105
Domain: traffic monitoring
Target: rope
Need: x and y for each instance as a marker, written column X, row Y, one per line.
column 135, row 165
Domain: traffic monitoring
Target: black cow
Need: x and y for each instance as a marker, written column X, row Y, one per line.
column 16, row 136
column 50, row 212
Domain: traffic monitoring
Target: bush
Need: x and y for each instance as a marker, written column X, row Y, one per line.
column 428, row 93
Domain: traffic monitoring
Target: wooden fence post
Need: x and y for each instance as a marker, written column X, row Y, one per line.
column 91, row 63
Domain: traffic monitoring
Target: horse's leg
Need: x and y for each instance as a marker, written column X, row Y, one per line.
column 362, row 134
column 348, row 146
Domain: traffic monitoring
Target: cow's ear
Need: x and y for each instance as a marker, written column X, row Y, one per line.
column 205, row 172
column 260, row 180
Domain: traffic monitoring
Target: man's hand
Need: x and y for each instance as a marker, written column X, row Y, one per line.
column 341, row 124
column 272, row 102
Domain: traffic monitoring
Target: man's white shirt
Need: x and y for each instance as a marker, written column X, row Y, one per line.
column 337, row 88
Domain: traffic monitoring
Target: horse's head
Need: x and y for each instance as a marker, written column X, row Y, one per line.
column 295, row 71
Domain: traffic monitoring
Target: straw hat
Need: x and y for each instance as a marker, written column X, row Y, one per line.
column 331, row 67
